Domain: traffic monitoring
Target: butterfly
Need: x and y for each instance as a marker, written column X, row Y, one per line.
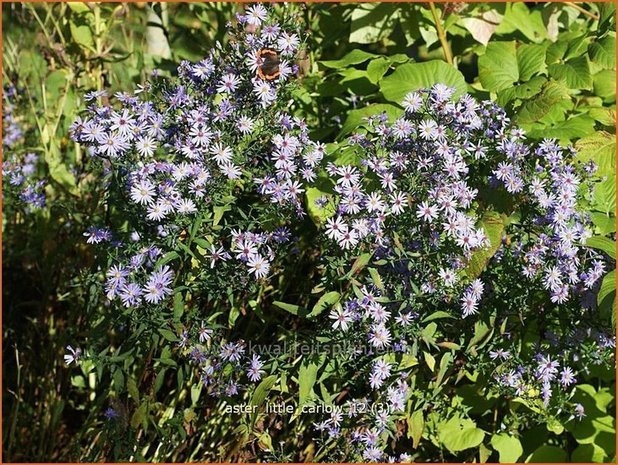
column 268, row 62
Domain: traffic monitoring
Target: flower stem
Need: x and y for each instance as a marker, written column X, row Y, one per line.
column 448, row 54
column 582, row 10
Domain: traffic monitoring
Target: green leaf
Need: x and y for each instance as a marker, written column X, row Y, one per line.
column 604, row 84
column 156, row 38
column 293, row 309
column 600, row 147
column 416, row 425
column 262, row 390
column 445, row 362
column 493, row 225
column 319, row 214
column 518, row 18
column 589, row 453
column 58, row 169
column 356, row 118
column 482, row 27
column 575, row 73
column 603, row 52
column 508, row 447
column 603, row 243
column 326, row 301
column 436, row 316
column 354, row 57
column 360, row 263
column 547, row 454
column 218, row 213
column 140, row 417
column 168, row 257
column 132, row 389
column 523, row 91
column 605, row 223
column 604, row 197
column 604, row 115
column 430, row 360
column 534, row 109
column 498, row 68
column 78, row 7
column 606, row 298
column 377, row 68
column 372, row 22
column 179, row 306
column 413, row 76
column 356, row 81
column 81, row 27
column 607, row 11
column 460, row 434
column 307, row 374
column 530, row 60
column 168, row 335
column 376, row 279
column 573, row 128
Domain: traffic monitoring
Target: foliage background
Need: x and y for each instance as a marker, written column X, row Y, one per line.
column 552, row 66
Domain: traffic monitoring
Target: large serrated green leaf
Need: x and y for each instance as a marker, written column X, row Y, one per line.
column 603, row 52
column 534, row 109
column 498, row 67
column 414, row 76
column 523, row 91
column 575, row 73
column 530, row 60
column 604, row 84
column 601, row 148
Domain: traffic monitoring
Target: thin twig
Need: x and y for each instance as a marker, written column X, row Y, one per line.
column 583, row 10
column 441, row 34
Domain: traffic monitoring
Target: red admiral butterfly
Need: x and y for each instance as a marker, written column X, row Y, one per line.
column 268, row 64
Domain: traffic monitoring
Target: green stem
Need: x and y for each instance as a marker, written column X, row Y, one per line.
column 99, row 46
column 448, row 54
column 582, row 10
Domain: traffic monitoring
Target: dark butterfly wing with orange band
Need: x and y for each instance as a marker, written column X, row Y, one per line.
column 269, row 66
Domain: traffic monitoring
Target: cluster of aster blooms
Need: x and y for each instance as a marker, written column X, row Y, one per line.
column 20, row 171
column 138, row 278
column 252, row 249
column 552, row 367
column 552, row 254
column 415, row 187
column 177, row 149
column 225, row 367
column 181, row 145
column 414, row 200
column 374, row 417
column 294, row 161
column 416, row 194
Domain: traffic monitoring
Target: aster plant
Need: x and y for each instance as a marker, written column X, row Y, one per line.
column 442, row 249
